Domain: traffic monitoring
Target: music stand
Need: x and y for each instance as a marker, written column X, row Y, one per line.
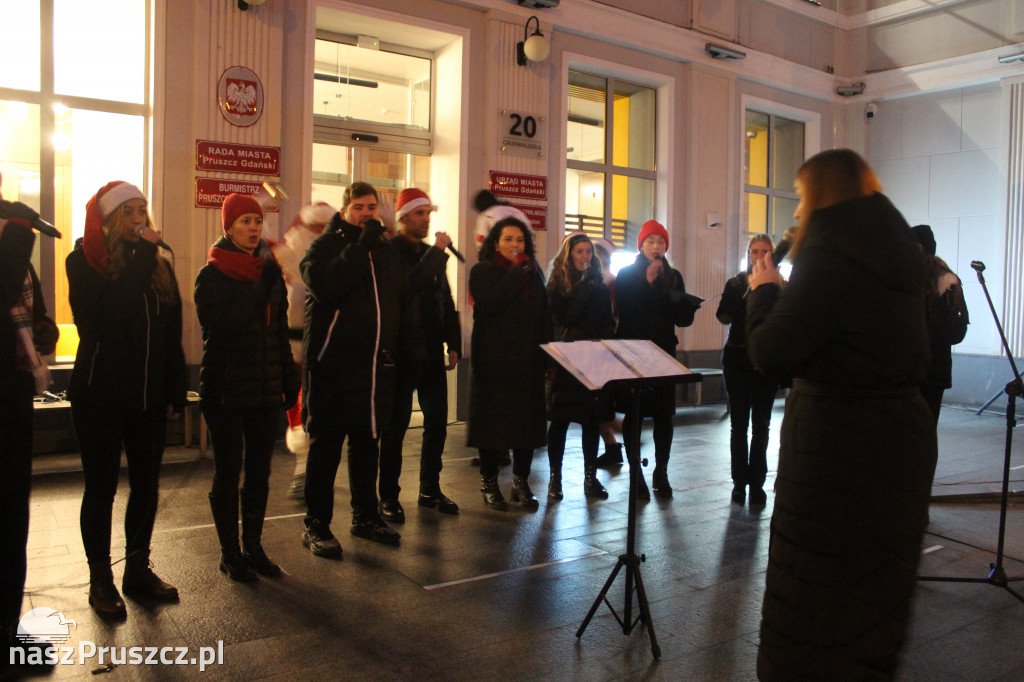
column 636, row 366
column 997, row 574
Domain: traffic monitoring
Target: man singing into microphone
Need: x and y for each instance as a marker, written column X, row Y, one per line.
column 431, row 324
column 350, row 341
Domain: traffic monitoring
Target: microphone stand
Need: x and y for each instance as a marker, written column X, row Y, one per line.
column 997, row 574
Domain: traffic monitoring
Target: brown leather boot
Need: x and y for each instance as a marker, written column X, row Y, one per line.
column 140, row 582
column 103, row 596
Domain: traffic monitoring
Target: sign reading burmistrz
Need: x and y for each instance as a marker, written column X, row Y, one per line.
column 228, row 157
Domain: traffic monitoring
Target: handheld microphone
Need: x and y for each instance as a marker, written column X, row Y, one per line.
column 781, row 251
column 159, row 242
column 977, row 265
column 456, row 252
column 10, row 209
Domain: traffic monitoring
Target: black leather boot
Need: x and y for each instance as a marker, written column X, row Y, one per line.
column 103, row 596
column 555, row 485
column 225, row 519
column 612, row 457
column 140, row 582
column 492, row 493
column 660, row 481
column 643, row 493
column 254, row 508
column 591, row 486
column 522, row 494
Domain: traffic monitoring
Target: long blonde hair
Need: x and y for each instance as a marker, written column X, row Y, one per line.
column 831, row 177
column 564, row 275
column 115, row 227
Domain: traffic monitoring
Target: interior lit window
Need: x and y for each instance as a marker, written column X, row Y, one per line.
column 609, row 120
column 335, row 167
column 100, row 54
column 773, row 151
column 19, row 67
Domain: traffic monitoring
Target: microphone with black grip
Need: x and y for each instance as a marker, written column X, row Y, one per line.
column 456, row 252
column 16, row 209
column 781, row 250
column 978, row 265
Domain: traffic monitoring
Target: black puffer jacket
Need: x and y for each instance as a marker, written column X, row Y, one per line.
column 353, row 316
column 652, row 311
column 857, row 446
column 247, row 362
column 430, row 318
column 584, row 313
column 129, row 348
column 510, row 321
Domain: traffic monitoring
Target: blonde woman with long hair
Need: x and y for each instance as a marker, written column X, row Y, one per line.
column 857, row 451
column 128, row 379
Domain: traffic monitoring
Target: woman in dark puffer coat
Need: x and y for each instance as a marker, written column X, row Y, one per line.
column 581, row 309
column 247, row 378
column 858, row 445
column 510, row 321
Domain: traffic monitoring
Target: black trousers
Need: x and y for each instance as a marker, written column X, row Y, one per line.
column 102, row 429
column 325, row 443
column 429, row 382
column 556, row 443
column 242, row 439
column 522, row 460
column 933, row 396
column 751, row 398
column 15, row 486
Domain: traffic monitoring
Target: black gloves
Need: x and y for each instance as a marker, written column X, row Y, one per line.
column 372, row 232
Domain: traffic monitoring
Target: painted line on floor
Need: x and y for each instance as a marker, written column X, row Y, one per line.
column 488, row 576
column 1021, row 466
column 210, row 525
column 933, row 548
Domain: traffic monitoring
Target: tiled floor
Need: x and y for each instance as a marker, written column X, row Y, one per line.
column 501, row 595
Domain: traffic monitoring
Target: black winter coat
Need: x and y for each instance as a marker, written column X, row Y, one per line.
column 353, row 318
column 129, row 348
column 947, row 319
column 430, row 319
column 15, row 262
column 732, row 310
column 247, row 362
column 857, row 445
column 583, row 314
column 510, row 321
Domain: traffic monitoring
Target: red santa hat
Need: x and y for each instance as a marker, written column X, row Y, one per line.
column 650, row 229
column 410, row 199
column 99, row 207
column 237, row 205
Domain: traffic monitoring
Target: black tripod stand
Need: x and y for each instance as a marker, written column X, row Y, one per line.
column 997, row 574
column 631, row 560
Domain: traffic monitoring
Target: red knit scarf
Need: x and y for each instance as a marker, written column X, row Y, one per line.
column 236, row 264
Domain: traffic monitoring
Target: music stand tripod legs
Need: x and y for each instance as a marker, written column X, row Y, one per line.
column 997, row 575
column 630, row 560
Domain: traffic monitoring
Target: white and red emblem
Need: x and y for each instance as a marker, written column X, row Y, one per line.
column 240, row 95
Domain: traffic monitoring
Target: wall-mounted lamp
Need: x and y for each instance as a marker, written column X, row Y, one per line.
column 723, row 52
column 245, row 4
column 1011, row 58
column 534, row 46
column 850, row 90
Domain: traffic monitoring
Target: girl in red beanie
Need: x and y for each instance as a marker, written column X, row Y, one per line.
column 652, row 302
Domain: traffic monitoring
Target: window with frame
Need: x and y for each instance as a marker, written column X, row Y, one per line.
column 73, row 117
column 610, row 157
column 773, row 151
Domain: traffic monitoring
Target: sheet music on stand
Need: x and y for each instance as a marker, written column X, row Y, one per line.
column 595, row 363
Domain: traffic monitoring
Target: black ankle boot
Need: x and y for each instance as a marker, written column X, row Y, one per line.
column 140, row 582
column 492, row 493
column 612, row 457
column 522, row 494
column 555, row 485
column 103, row 596
column 235, row 566
column 660, row 482
column 591, row 486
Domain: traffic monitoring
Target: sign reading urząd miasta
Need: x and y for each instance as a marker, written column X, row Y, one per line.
column 228, row 157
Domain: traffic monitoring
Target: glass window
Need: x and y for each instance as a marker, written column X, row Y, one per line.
column 609, row 119
column 19, row 67
column 773, row 151
column 377, row 86
column 335, row 167
column 100, row 54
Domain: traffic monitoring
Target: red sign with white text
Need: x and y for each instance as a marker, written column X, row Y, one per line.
column 519, row 186
column 237, row 158
column 538, row 215
column 210, row 192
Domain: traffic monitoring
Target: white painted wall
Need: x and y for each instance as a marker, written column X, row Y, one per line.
column 938, row 157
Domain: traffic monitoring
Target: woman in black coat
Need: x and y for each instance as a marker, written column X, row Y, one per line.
column 858, row 442
column 652, row 301
column 510, row 321
column 247, row 378
column 751, row 394
column 581, row 309
column 128, row 379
